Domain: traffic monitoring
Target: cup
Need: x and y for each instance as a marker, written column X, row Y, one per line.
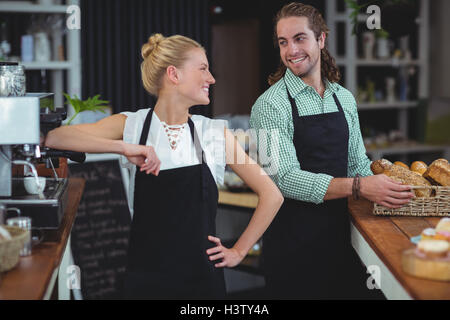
column 25, row 223
column 31, row 186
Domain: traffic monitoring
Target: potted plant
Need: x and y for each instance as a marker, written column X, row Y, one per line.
column 91, row 104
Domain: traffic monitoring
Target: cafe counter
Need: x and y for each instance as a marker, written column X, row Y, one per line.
column 379, row 242
column 44, row 274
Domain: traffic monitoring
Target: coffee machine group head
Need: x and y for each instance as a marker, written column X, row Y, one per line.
column 19, row 134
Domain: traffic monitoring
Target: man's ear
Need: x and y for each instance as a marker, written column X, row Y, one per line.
column 172, row 74
column 321, row 40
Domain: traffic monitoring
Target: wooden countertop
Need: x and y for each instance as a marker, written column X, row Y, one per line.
column 30, row 279
column 238, row 199
column 389, row 237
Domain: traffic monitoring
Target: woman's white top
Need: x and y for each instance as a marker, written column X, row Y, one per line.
column 210, row 133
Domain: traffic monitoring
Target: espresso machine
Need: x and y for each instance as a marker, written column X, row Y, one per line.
column 24, row 123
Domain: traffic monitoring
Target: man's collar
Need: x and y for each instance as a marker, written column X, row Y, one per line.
column 295, row 84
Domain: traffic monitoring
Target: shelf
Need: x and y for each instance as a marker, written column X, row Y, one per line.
column 50, row 65
column 30, row 7
column 388, row 105
column 379, row 63
column 407, row 149
column 362, row 17
column 343, row 17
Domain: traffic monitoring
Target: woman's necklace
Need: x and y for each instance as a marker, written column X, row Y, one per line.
column 174, row 133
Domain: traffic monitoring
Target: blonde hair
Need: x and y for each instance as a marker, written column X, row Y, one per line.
column 161, row 52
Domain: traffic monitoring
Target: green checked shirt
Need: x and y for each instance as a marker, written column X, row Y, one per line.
column 271, row 119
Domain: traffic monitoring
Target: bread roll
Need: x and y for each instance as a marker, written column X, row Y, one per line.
column 408, row 177
column 401, row 164
column 439, row 171
column 379, row 166
column 419, row 167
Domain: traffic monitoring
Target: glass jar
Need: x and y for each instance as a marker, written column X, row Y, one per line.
column 12, row 80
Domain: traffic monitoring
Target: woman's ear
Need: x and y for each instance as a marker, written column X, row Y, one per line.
column 172, row 74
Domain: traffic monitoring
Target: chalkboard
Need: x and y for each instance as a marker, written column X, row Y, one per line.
column 99, row 238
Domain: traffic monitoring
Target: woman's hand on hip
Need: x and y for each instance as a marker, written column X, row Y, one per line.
column 230, row 257
column 144, row 157
column 386, row 192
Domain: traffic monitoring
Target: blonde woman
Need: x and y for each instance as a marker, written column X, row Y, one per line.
column 176, row 160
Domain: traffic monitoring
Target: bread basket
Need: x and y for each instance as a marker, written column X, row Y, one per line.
column 10, row 249
column 438, row 205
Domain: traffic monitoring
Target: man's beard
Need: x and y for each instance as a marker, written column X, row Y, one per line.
column 308, row 72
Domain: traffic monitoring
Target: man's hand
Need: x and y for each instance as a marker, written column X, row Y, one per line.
column 144, row 157
column 386, row 192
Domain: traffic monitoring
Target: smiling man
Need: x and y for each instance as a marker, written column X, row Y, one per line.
column 307, row 251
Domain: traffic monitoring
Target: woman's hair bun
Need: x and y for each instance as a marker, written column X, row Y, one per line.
column 151, row 44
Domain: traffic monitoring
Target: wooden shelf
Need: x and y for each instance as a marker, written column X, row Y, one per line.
column 407, row 149
column 391, row 62
column 30, row 7
column 50, row 65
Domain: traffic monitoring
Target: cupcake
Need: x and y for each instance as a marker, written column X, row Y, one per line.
column 443, row 225
column 442, row 235
column 433, row 248
column 428, row 234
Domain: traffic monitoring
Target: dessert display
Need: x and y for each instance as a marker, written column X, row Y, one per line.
column 443, row 225
column 433, row 248
column 428, row 234
column 430, row 259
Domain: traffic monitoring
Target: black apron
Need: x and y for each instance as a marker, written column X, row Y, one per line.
column 307, row 251
column 174, row 213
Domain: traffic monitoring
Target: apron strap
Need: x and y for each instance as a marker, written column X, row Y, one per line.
column 146, row 129
column 295, row 109
column 200, row 156
column 336, row 100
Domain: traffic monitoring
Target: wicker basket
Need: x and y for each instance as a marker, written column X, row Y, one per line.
column 10, row 249
column 438, row 205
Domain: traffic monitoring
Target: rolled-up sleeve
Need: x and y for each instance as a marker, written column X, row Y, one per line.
column 358, row 162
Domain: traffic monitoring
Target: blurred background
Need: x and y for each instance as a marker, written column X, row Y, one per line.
column 400, row 75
